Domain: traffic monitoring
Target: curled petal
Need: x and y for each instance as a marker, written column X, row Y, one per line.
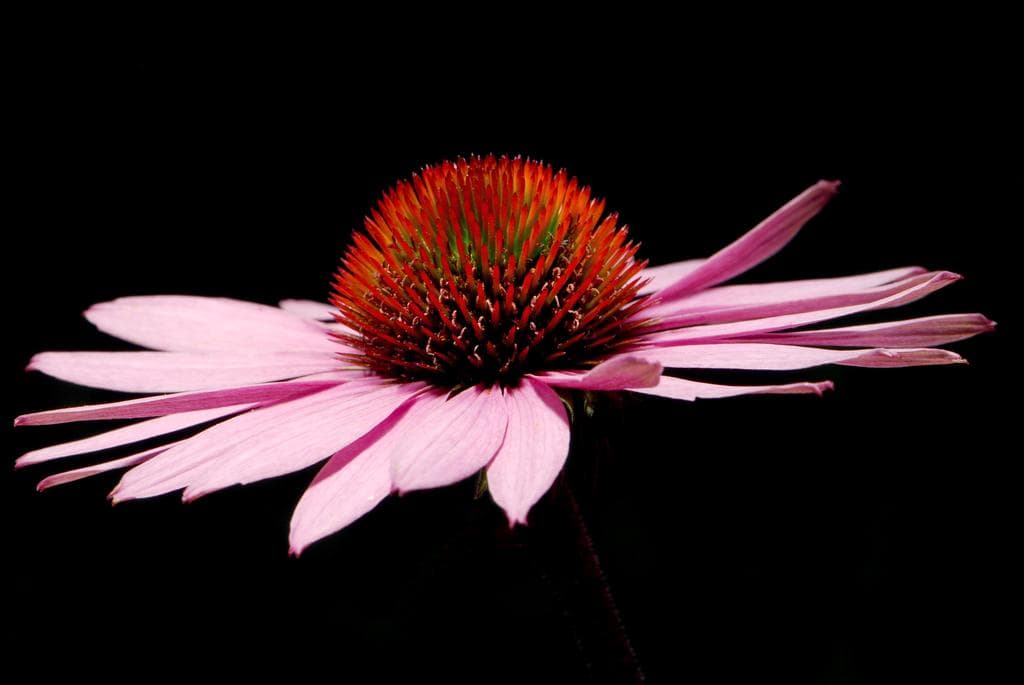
column 618, row 373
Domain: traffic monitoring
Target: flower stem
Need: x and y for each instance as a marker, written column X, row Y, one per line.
column 579, row 582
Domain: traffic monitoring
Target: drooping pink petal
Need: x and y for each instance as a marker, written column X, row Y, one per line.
column 267, row 442
column 126, row 435
column 443, row 440
column 178, row 371
column 757, row 245
column 744, row 312
column 309, row 309
column 664, row 275
column 182, row 323
column 683, row 389
column 617, row 373
column 350, row 484
column 534, row 451
column 923, row 332
column 161, row 405
column 767, row 324
column 776, row 292
column 758, row 356
column 96, row 469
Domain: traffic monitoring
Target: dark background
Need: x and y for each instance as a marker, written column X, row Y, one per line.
column 854, row 538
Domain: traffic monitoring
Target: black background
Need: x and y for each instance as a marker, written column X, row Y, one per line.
column 854, row 538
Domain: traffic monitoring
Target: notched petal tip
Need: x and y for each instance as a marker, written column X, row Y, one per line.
column 821, row 387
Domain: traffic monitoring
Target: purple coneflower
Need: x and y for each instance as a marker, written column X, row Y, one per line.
column 479, row 291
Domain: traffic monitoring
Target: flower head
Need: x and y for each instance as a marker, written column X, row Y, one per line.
column 479, row 291
column 481, row 271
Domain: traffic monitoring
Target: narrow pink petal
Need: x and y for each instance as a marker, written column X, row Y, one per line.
column 161, row 405
column 757, row 245
column 350, row 484
column 309, row 309
column 664, row 275
column 923, row 332
column 178, row 371
column 443, row 440
column 778, row 292
column 534, row 451
column 182, row 323
column 682, row 389
column 305, row 442
column 96, row 469
column 126, row 435
column 685, row 316
column 910, row 293
column 757, row 356
column 267, row 442
column 619, row 372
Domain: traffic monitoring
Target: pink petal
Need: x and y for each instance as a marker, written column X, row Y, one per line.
column 908, row 294
column 178, row 371
column 96, row 469
column 923, row 332
column 161, row 405
column 619, row 372
column 183, row 323
column 352, row 483
column 757, row 245
column 664, row 275
column 442, row 440
column 778, row 292
column 267, row 442
column 682, row 389
column 534, row 451
column 129, row 434
column 756, row 356
column 309, row 309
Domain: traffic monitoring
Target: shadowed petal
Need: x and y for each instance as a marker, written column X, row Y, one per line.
column 126, row 435
column 267, row 442
column 177, row 371
column 922, row 332
column 617, row 373
column 757, row 356
column 161, row 405
column 682, row 389
column 207, row 324
column 309, row 309
column 444, row 440
column 534, row 451
column 913, row 291
column 96, row 469
column 757, row 245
